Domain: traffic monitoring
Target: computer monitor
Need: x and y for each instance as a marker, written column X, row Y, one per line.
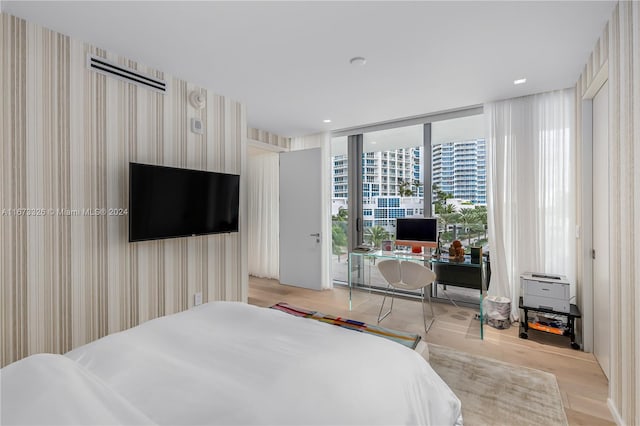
column 417, row 232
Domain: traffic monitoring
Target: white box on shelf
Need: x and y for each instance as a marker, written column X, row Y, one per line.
column 545, row 291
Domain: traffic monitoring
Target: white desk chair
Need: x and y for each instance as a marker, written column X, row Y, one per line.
column 407, row 275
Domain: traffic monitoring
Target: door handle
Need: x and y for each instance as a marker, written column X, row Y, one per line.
column 317, row 235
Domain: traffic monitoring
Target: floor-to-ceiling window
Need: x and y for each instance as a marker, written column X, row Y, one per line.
column 459, row 180
column 400, row 167
column 392, row 180
column 339, row 207
column 459, row 189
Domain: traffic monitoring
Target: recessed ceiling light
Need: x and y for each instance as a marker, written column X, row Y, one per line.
column 373, row 142
column 326, row 121
column 358, row 60
column 520, row 81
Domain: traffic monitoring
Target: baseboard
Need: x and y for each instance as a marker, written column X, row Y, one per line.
column 614, row 413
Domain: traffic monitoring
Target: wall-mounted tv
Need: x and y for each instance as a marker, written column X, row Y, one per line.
column 170, row 202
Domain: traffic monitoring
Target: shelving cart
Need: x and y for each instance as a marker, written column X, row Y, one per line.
column 571, row 316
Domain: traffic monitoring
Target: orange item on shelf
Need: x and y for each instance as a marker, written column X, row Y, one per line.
column 548, row 329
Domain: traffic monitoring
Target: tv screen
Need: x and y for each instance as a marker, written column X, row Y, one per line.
column 417, row 230
column 169, row 202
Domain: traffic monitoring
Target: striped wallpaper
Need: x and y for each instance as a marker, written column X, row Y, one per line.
column 68, row 135
column 619, row 48
column 270, row 138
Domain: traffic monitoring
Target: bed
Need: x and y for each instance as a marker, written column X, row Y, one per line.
column 225, row 363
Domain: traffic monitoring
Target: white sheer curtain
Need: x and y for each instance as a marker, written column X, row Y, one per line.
column 530, row 189
column 263, row 189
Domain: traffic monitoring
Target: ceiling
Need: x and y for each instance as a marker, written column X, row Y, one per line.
column 288, row 62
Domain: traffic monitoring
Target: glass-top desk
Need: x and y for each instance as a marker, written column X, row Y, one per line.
column 363, row 273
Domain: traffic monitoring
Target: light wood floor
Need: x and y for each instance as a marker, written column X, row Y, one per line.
column 583, row 386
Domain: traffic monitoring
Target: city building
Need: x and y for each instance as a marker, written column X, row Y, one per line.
column 383, row 173
column 459, row 168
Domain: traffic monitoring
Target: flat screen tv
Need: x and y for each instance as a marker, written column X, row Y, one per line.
column 417, row 232
column 169, row 202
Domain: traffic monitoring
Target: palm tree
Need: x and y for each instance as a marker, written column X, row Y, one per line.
column 404, row 188
column 449, row 219
column 468, row 217
column 339, row 240
column 417, row 185
column 482, row 218
column 375, row 235
column 342, row 216
column 440, row 200
column 339, row 231
column 449, row 208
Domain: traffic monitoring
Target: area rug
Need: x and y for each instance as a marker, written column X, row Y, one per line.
column 498, row 393
column 410, row 340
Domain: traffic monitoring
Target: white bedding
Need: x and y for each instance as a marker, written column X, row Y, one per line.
column 233, row 363
column 48, row 389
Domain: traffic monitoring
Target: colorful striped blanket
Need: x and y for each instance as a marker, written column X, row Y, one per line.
column 407, row 339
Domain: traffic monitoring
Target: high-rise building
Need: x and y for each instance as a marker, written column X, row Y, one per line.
column 339, row 188
column 382, row 173
column 459, row 168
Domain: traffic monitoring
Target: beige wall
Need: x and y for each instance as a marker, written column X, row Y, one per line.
column 619, row 50
column 68, row 135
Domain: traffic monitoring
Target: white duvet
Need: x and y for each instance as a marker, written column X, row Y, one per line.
column 230, row 363
column 48, row 389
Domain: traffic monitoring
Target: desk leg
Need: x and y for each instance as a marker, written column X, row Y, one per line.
column 525, row 325
column 349, row 279
column 572, row 329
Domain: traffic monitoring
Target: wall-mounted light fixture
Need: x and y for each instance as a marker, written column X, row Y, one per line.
column 197, row 99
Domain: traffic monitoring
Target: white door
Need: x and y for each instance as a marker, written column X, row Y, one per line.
column 301, row 218
column 601, row 298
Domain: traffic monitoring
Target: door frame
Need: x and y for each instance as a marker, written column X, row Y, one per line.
column 602, row 347
column 586, row 206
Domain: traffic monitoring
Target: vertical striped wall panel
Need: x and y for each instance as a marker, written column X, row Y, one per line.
column 578, row 206
column 619, row 46
column 597, row 58
column 68, row 135
column 270, row 138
